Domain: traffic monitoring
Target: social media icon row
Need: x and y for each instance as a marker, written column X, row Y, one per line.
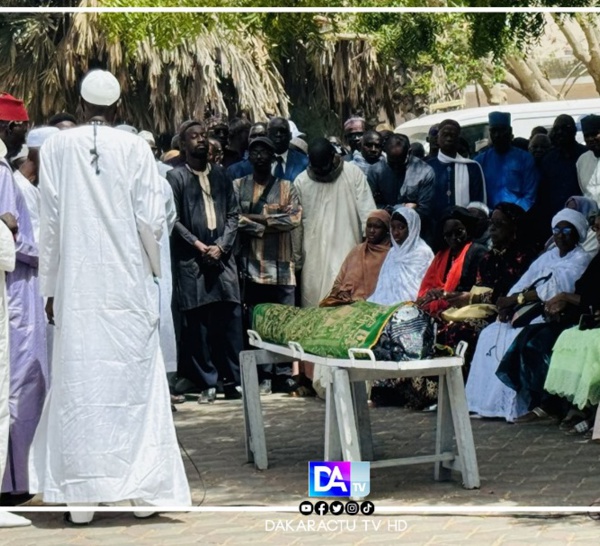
column 336, row 508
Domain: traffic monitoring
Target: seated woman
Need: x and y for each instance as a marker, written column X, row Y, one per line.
column 454, row 268
column 553, row 272
column 399, row 281
column 405, row 263
column 481, row 234
column 589, row 208
column 574, row 369
column 499, row 269
column 359, row 272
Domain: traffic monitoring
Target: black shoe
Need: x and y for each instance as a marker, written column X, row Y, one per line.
column 232, row 392
column 185, row 386
column 284, row 384
column 10, row 499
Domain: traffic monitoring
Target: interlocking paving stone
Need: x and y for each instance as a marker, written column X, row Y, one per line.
column 519, row 465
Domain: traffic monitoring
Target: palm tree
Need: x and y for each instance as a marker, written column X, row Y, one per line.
column 175, row 67
column 44, row 56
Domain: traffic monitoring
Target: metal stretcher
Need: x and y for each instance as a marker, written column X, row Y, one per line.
column 347, row 422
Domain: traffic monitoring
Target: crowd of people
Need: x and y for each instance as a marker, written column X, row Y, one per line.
column 124, row 262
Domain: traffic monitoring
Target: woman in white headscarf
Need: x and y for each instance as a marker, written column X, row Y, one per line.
column 406, row 262
column 589, row 208
column 556, row 271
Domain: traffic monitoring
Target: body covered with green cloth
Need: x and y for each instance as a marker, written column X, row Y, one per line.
column 323, row 331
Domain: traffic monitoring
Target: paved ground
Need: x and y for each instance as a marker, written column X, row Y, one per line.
column 527, row 465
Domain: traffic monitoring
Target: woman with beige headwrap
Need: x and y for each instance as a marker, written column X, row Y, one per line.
column 359, row 272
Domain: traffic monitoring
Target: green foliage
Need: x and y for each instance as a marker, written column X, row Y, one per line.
column 410, row 47
column 400, row 36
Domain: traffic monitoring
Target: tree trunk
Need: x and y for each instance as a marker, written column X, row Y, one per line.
column 588, row 54
column 532, row 83
column 591, row 35
column 492, row 91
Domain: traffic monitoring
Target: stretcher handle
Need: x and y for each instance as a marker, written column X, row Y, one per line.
column 297, row 350
column 461, row 349
column 254, row 337
column 368, row 352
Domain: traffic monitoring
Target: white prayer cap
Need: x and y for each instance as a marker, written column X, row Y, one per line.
column 37, row 136
column 300, row 143
column 100, row 87
column 148, row 137
column 127, row 128
column 23, row 153
column 575, row 218
column 294, row 129
column 479, row 206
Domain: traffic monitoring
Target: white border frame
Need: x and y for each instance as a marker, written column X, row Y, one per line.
column 380, row 510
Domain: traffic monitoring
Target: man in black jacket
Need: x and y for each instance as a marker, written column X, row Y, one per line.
column 404, row 179
column 205, row 271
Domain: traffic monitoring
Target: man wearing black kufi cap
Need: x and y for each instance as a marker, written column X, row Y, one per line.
column 588, row 173
column 206, row 275
column 458, row 180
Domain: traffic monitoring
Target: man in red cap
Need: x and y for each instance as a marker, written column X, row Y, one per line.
column 14, row 122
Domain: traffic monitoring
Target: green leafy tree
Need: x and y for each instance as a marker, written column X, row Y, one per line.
column 320, row 67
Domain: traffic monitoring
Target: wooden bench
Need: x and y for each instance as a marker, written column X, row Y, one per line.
column 347, row 421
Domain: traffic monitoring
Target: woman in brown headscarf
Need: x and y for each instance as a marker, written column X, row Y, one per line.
column 359, row 272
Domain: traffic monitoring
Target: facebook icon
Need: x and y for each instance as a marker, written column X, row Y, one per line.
column 339, row 479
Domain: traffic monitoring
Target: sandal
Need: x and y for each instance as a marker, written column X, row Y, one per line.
column 536, row 415
column 580, row 428
column 303, row 387
column 571, row 420
column 303, row 392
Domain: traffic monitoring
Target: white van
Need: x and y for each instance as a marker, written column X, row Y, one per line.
column 474, row 121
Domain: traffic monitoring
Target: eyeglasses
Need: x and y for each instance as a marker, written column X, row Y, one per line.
column 565, row 230
column 458, row 232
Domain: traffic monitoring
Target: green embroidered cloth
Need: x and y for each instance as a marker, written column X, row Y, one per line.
column 323, row 331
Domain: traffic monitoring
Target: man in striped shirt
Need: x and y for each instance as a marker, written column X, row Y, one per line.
column 270, row 210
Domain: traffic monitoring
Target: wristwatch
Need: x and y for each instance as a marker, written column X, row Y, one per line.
column 521, row 298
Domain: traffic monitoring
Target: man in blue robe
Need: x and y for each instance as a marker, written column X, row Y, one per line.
column 510, row 173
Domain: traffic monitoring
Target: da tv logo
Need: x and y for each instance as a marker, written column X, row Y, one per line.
column 339, row 479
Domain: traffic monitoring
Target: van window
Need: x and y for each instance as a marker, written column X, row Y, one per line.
column 417, row 134
column 471, row 133
column 474, row 134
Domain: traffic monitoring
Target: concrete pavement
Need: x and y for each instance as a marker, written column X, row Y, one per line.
column 527, row 465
